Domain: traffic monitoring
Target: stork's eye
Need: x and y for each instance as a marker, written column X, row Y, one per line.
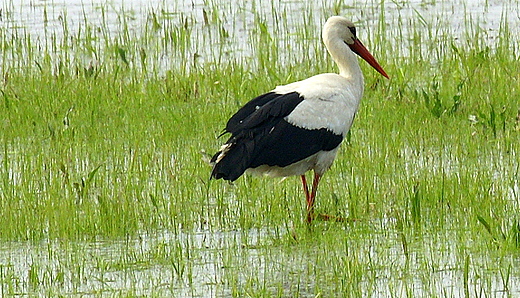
column 352, row 30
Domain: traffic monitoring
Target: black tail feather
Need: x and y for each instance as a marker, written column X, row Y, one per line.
column 234, row 162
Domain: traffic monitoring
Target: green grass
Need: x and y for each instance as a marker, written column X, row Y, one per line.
column 104, row 190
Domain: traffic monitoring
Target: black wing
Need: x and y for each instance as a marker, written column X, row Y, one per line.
column 248, row 109
column 261, row 136
column 261, row 109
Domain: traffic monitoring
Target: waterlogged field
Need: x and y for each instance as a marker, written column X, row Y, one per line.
column 108, row 111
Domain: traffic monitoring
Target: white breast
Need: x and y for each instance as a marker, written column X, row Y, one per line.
column 330, row 101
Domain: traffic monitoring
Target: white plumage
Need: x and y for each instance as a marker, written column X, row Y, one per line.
column 332, row 106
column 298, row 127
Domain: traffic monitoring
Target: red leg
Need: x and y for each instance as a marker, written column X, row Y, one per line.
column 308, row 198
column 315, row 186
column 312, row 198
column 307, row 194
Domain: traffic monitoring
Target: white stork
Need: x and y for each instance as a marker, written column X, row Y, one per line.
column 298, row 127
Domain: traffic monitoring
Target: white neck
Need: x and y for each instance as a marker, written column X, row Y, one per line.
column 345, row 59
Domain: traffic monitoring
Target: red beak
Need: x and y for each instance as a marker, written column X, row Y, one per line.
column 358, row 48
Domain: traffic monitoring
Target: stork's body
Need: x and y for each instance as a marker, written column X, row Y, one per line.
column 298, row 127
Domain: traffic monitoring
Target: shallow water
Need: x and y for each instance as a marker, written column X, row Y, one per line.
column 38, row 17
column 216, row 264
column 231, row 30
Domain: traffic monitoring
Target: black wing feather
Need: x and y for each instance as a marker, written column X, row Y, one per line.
column 261, row 109
column 286, row 144
column 248, row 109
column 261, row 136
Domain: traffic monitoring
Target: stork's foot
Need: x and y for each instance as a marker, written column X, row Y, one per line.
column 326, row 217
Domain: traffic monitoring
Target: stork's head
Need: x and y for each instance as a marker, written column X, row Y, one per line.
column 340, row 28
